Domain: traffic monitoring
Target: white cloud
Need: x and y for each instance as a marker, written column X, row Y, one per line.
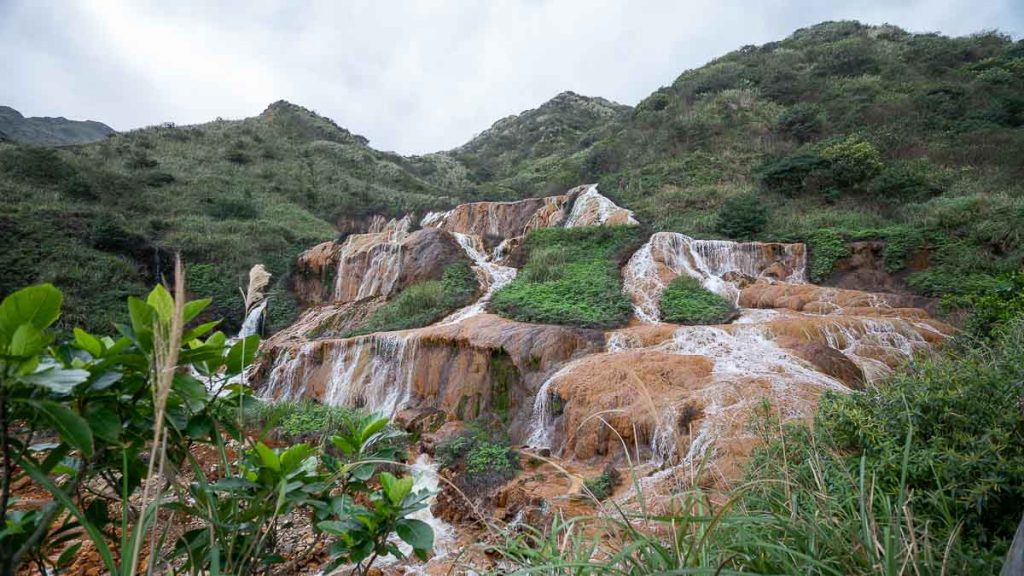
column 412, row 76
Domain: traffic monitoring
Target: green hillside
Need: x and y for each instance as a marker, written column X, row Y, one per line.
column 102, row 220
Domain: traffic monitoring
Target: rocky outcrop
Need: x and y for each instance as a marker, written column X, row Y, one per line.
column 865, row 269
column 592, row 209
column 496, row 222
column 658, row 393
column 483, row 366
column 376, row 264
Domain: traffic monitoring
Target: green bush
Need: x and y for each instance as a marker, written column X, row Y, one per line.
column 852, row 160
column 902, row 182
column 900, row 245
column 423, row 303
column 787, row 175
column 945, row 430
column 603, row 485
column 991, row 306
column 480, row 462
column 826, row 247
column 685, row 301
column 801, row 122
column 742, row 217
column 571, row 277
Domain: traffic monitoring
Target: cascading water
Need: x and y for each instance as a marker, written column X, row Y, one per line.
column 593, row 209
column 382, row 249
column 890, row 336
column 374, row 372
column 495, row 276
column 253, row 320
column 425, row 474
column 669, row 254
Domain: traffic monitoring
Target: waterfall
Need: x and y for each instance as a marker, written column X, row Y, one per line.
column 253, row 320
column 381, row 251
column 541, row 420
column 495, row 277
column 374, row 372
column 669, row 254
column 593, row 209
column 283, row 381
column 858, row 339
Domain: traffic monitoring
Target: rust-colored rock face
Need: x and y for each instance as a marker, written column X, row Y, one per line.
column 658, row 393
column 495, row 222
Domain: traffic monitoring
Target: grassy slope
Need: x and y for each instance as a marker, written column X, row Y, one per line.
column 228, row 194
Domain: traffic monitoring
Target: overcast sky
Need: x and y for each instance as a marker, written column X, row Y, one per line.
column 413, row 77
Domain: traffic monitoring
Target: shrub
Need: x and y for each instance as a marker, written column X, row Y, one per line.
column 603, row 485
column 741, row 217
column 899, row 246
column 35, row 164
column 826, row 247
column 571, row 277
column 902, row 182
column 234, row 209
column 802, row 122
column 852, row 161
column 946, row 429
column 685, row 301
column 479, row 461
column 786, row 175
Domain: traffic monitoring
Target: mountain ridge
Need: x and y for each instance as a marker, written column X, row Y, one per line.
column 50, row 131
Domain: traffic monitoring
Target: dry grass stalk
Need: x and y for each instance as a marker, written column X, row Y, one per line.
column 166, row 346
column 259, row 279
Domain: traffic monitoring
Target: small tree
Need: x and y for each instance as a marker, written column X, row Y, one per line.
column 742, row 217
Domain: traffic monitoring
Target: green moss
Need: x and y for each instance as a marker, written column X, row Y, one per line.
column 685, row 301
column 571, row 277
column 504, row 375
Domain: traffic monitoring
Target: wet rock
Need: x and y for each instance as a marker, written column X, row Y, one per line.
column 829, row 361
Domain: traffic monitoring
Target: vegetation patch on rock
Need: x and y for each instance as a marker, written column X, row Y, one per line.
column 571, row 277
column 424, row 303
column 685, row 301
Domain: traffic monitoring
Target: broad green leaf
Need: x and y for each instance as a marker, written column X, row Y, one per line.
column 193, row 308
column 268, row 457
column 27, row 341
column 88, row 342
column 141, row 316
column 416, row 533
column 72, row 428
column 57, row 379
column 162, row 302
column 343, row 444
column 242, row 354
column 198, row 331
column 396, row 489
column 36, row 305
column 293, row 457
column 105, row 424
column 373, row 427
